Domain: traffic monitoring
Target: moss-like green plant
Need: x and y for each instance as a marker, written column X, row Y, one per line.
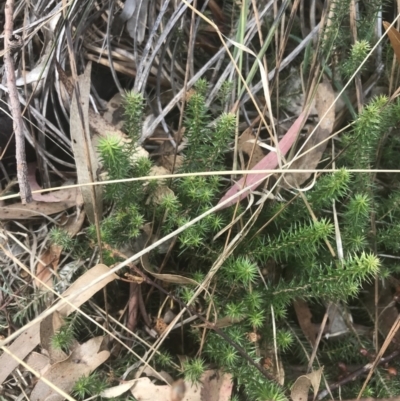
column 297, row 244
column 193, row 369
column 63, row 338
column 88, row 386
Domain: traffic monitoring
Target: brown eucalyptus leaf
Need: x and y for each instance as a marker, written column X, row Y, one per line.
column 84, row 359
column 67, row 198
column 316, row 144
column 37, row 361
column 119, row 390
column 304, row 317
column 44, row 271
column 165, row 277
column 303, row 383
column 394, row 37
column 214, row 386
column 48, row 327
column 217, row 386
column 247, row 147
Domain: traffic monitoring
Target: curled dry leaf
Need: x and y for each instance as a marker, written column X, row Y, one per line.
column 303, row 383
column 84, row 359
column 44, row 271
column 304, row 317
column 316, row 144
column 394, row 37
column 246, row 146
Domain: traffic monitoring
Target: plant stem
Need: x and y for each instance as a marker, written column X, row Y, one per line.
column 22, row 168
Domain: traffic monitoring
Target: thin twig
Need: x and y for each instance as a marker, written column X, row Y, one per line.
column 22, row 168
column 356, row 374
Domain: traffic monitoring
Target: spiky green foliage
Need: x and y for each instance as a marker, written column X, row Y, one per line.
column 122, row 160
column 63, row 338
column 89, row 386
column 193, row 369
column 207, row 143
column 273, row 265
column 357, row 55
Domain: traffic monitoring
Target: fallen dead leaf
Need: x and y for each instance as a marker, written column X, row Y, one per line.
column 304, row 317
column 17, row 211
column 165, row 277
column 217, row 386
column 213, row 386
column 30, row 338
column 48, row 327
column 37, row 361
column 50, row 259
column 303, row 383
column 84, row 359
column 394, row 37
column 247, row 147
column 316, row 144
column 45, row 197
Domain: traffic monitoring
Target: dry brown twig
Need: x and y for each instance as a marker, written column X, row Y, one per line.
column 22, row 168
